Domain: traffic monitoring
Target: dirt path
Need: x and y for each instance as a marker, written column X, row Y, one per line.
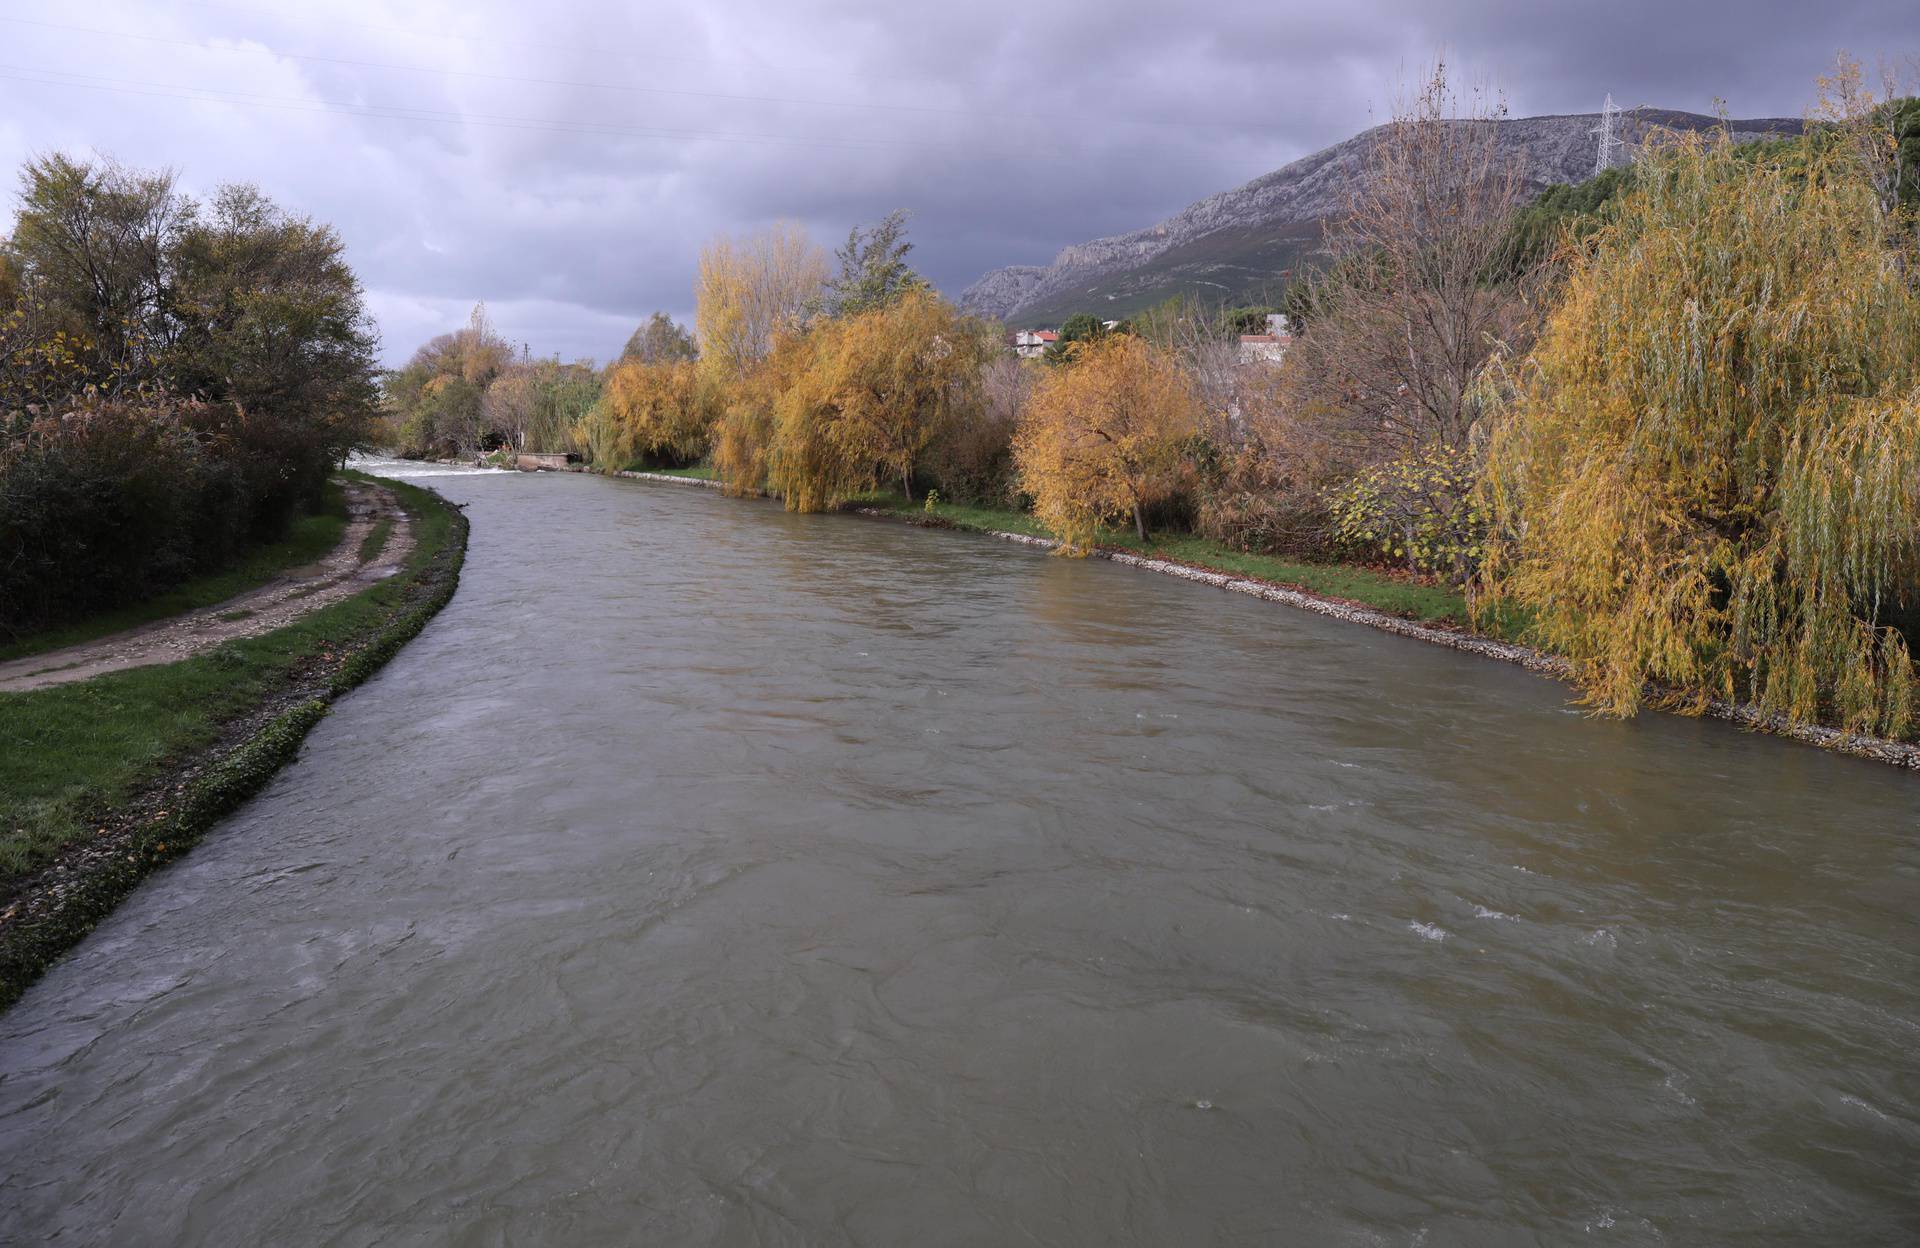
column 274, row 605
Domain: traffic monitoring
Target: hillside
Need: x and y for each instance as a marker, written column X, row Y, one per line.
column 1239, row 246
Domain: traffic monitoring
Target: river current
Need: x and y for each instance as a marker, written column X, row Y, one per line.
column 705, row 874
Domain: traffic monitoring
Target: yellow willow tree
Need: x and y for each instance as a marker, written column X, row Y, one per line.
column 743, row 435
column 665, row 410
column 749, row 290
column 1101, row 438
column 1707, row 473
column 879, row 386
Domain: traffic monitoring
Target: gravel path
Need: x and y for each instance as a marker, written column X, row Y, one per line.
column 274, row 605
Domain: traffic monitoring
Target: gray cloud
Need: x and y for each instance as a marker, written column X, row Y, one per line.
column 566, row 165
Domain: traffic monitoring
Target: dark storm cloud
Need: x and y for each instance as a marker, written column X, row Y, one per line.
column 565, row 161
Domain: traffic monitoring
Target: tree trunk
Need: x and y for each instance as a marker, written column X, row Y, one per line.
column 1140, row 522
column 906, row 483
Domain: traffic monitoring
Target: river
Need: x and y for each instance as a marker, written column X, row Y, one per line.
column 705, row 874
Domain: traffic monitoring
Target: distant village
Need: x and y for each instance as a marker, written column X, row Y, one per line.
column 1263, row 348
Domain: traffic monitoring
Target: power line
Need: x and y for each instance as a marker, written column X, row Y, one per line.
column 529, row 81
column 688, row 93
column 441, row 35
column 97, row 82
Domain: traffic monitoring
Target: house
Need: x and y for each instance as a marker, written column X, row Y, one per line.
column 1030, row 344
column 1264, row 348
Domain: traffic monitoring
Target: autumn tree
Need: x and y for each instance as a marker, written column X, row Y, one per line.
column 664, row 411
column 95, row 242
column 1101, row 438
column 879, row 386
column 660, row 340
column 747, row 291
column 743, row 436
column 1707, row 473
column 435, row 400
column 536, row 405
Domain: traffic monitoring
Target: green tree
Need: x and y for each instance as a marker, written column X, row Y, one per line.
column 661, row 340
column 93, row 241
column 873, row 268
column 1080, row 327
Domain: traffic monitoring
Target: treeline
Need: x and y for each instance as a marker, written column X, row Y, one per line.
column 177, row 379
column 1665, row 423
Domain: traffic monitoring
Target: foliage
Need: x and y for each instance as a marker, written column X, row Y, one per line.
column 1557, row 216
column 176, row 381
column 433, row 403
column 108, row 503
column 664, row 412
column 1080, row 327
column 1420, row 508
column 750, row 291
column 537, row 405
column 1267, row 498
column 743, row 438
column 93, row 247
column 661, row 340
column 971, row 459
column 873, row 269
column 1102, row 439
column 878, row 387
column 1707, row 474
column 1253, row 320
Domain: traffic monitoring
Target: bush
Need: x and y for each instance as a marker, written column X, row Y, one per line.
column 1263, row 503
column 114, row 502
column 1419, row 509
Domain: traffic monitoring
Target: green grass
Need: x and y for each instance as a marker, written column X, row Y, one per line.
column 698, row 472
column 376, row 540
column 1372, row 587
column 309, row 539
column 71, row 752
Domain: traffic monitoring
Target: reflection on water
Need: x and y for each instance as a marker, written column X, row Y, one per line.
column 705, row 874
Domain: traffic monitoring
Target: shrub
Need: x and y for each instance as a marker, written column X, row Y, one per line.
column 1420, row 509
column 112, row 502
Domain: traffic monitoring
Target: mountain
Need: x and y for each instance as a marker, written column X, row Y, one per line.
column 1240, row 245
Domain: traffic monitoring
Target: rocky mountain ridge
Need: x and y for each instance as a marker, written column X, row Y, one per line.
column 1240, row 244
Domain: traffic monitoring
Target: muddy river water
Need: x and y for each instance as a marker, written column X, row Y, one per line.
column 709, row 875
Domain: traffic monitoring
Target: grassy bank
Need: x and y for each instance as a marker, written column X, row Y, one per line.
column 103, row 780
column 1352, row 583
column 309, row 539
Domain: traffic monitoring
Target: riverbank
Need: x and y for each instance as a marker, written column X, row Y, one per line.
column 1357, row 595
column 107, row 779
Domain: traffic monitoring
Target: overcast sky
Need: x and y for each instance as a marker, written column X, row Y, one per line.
column 564, row 160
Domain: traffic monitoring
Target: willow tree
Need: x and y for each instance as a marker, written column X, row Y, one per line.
column 748, row 291
column 878, row 387
column 1101, row 438
column 665, row 410
column 1706, row 475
